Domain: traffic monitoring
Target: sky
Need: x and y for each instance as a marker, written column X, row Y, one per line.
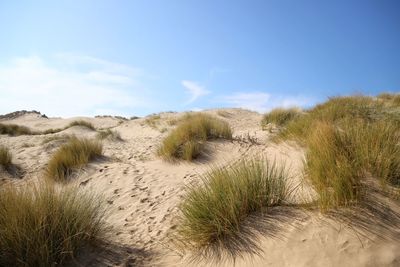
column 70, row 58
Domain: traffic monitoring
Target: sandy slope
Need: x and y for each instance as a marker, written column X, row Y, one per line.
column 142, row 193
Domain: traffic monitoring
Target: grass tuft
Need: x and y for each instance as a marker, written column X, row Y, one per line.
column 340, row 157
column 82, row 123
column 224, row 113
column 153, row 120
column 14, row 130
column 280, row 116
column 213, row 211
column 44, row 225
column 5, row 157
column 53, row 131
column 110, row 134
column 186, row 141
column 349, row 139
column 72, row 156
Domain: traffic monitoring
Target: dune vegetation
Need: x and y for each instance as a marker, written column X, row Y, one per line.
column 5, row 158
column 187, row 140
column 213, row 211
column 280, row 116
column 72, row 156
column 82, row 123
column 348, row 139
column 42, row 225
column 109, row 134
column 15, row 130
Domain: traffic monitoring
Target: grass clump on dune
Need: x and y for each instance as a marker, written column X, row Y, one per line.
column 186, row 141
column 14, row 130
column 82, row 123
column 280, row 116
column 335, row 110
column 5, row 157
column 391, row 99
column 53, row 131
column 72, row 156
column 340, row 157
column 212, row 212
column 332, row 166
column 153, row 120
column 44, row 225
column 348, row 139
column 110, row 134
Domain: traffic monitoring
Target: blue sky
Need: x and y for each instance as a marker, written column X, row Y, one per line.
column 67, row 58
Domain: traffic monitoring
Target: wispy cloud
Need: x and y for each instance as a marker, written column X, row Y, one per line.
column 70, row 85
column 195, row 90
column 262, row 102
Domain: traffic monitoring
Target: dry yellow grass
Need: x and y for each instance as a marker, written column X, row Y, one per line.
column 347, row 139
column 15, row 130
column 72, row 156
column 213, row 211
column 5, row 157
column 109, row 134
column 45, row 226
column 82, row 123
column 186, row 141
column 280, row 116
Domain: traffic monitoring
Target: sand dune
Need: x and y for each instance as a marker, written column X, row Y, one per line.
column 142, row 193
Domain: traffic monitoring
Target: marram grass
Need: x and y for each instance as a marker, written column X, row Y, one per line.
column 213, row 211
column 280, row 116
column 5, row 157
column 186, row 141
column 82, row 123
column 15, row 130
column 109, row 134
column 72, row 156
column 339, row 157
column 348, row 139
column 43, row 225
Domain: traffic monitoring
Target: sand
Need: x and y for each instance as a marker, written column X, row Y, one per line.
column 142, row 194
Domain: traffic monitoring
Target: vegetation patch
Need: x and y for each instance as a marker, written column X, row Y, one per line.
column 53, row 131
column 5, row 158
column 72, row 156
column 82, row 123
column 45, row 226
column 224, row 113
column 109, row 134
column 153, row 120
column 186, row 141
column 212, row 212
column 280, row 116
column 348, row 139
column 15, row 130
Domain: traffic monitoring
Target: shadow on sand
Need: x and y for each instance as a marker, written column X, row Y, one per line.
column 377, row 215
column 106, row 254
column 270, row 223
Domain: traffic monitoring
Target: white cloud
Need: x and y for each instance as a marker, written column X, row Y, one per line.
column 263, row 102
column 195, row 90
column 69, row 85
column 253, row 101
